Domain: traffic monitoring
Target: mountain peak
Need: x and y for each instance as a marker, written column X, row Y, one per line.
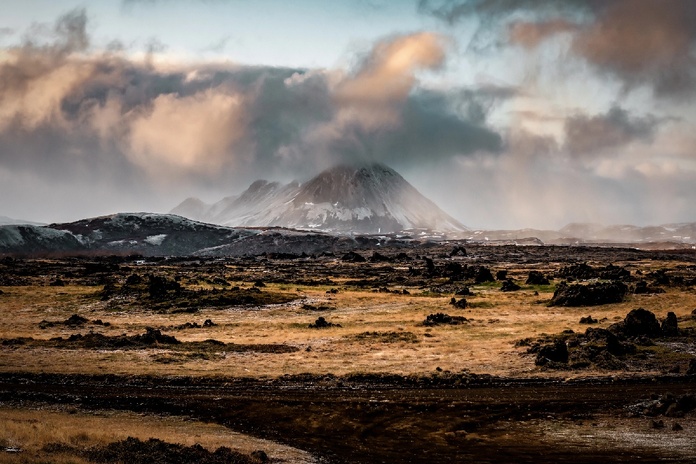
column 362, row 198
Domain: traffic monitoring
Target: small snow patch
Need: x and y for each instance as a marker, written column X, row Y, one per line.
column 155, row 240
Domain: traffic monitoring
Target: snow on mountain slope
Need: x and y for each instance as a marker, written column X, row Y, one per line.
column 130, row 233
column 366, row 199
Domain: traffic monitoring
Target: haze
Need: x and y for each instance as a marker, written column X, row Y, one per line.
column 507, row 114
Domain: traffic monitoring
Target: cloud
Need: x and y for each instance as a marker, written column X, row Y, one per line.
column 587, row 135
column 639, row 42
column 69, row 111
column 192, row 133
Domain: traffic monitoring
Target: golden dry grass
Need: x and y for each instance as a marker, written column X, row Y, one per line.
column 483, row 345
column 32, row 429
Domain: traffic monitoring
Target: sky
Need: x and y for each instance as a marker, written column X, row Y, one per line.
column 506, row 113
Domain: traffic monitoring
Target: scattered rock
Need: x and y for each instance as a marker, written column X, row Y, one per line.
column 260, row 455
column 501, row 274
column 482, row 274
column 461, row 304
column 588, row 295
column 155, row 451
column 445, row 319
column 537, row 278
column 458, row 251
column 691, row 370
column 379, row 258
column 556, row 352
column 676, row 427
column 670, row 326
column 134, row 279
column 463, row 292
column 353, row 257
column 58, row 282
column 159, row 287
column 581, row 271
column 638, row 322
column 509, row 286
column 657, row 424
column 76, row 320
column 588, row 320
column 209, row 323
column 322, row 323
column 259, row 284
column 642, row 288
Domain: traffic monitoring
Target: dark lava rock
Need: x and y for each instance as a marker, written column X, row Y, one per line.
column 482, row 274
column 159, row 287
column 259, row 284
column 509, row 286
column 501, row 274
column 379, row 258
column 642, row 288
column 588, row 320
column 57, row 283
column 463, row 292
column 75, row 320
column 134, row 279
column 322, row 323
column 1, row 292
column 260, row 456
column 442, row 318
column 537, row 278
column 556, row 352
column 220, row 281
column 461, row 304
column 458, row 251
column 667, row 404
column 353, row 257
column 455, row 271
column 154, row 451
column 589, row 295
column 429, row 265
column 676, row 427
column 153, row 336
column 611, row 272
column 581, row 271
column 660, row 424
column 209, row 323
column 692, row 367
column 638, row 322
column 670, row 326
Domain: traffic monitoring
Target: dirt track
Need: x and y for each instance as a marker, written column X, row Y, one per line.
column 389, row 419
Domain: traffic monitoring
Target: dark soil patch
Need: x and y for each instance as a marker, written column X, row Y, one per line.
column 387, row 337
column 152, row 338
column 154, row 451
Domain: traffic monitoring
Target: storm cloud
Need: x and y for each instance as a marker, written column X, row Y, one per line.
column 639, row 42
column 72, row 111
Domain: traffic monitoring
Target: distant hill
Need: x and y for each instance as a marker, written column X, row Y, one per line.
column 344, row 199
column 7, row 221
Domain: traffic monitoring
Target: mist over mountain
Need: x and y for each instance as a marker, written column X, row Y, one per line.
column 344, row 199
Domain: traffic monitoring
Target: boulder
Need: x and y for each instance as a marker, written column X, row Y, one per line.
column 509, row 286
column 636, row 323
column 670, row 326
column 537, row 278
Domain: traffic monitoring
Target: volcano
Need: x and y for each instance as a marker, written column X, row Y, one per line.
column 343, row 199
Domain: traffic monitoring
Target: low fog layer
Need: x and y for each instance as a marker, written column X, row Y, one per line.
column 574, row 115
